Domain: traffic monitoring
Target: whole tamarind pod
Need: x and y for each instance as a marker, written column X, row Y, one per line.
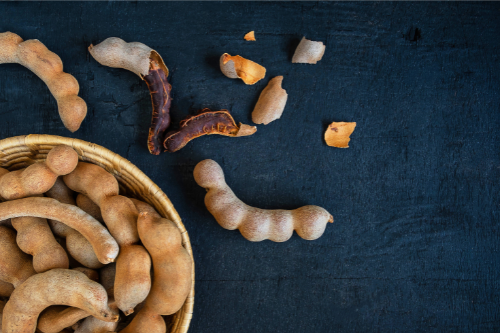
column 15, row 265
column 146, row 320
column 57, row 317
column 6, row 289
column 39, row 178
column 93, row 181
column 35, row 237
column 103, row 244
column 133, row 279
column 33, row 55
column 172, row 264
column 57, row 286
column 89, row 207
column 90, row 273
column 107, row 278
column 256, row 224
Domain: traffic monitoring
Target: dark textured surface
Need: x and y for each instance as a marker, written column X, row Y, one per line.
column 414, row 246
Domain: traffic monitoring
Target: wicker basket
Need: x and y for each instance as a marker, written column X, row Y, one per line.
column 21, row 151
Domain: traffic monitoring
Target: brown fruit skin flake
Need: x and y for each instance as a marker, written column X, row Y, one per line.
column 337, row 134
column 235, row 67
column 250, row 36
column 206, row 122
column 159, row 88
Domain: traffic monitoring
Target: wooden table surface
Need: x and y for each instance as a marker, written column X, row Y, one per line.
column 415, row 243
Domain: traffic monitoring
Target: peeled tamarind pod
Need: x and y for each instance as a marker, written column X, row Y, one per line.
column 89, row 207
column 146, row 320
column 93, row 181
column 57, row 286
column 103, row 244
column 149, row 66
column 256, row 224
column 6, row 290
column 15, row 265
column 33, row 55
column 172, row 264
column 35, row 237
column 39, row 178
column 57, row 317
column 133, row 279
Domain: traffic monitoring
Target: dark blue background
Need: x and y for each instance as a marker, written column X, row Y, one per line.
column 414, row 246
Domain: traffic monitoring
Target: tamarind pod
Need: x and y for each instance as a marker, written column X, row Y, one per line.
column 40, row 177
column 57, row 317
column 103, row 244
column 133, row 279
column 256, row 224
column 120, row 216
column 61, row 192
column 33, row 55
column 89, row 207
column 95, row 325
column 172, row 264
column 15, row 265
column 146, row 320
column 35, row 237
column 149, row 66
column 57, row 286
column 6, row 289
column 92, row 181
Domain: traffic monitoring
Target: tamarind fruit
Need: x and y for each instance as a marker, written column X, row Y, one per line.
column 57, row 286
column 40, row 177
column 35, row 237
column 6, row 289
column 256, row 224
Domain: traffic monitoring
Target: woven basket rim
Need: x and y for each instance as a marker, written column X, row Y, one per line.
column 35, row 146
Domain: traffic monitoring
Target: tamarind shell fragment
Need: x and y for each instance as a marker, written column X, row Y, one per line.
column 159, row 88
column 206, row 122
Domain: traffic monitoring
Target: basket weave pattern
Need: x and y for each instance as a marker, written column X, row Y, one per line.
column 22, row 151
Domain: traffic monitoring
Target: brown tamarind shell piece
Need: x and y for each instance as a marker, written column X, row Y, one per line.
column 159, row 89
column 206, row 122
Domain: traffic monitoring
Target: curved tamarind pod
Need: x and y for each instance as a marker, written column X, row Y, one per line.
column 133, row 279
column 149, row 66
column 57, row 317
column 146, row 320
column 15, row 265
column 39, row 178
column 256, row 224
column 103, row 244
column 35, row 237
column 120, row 215
column 33, row 55
column 57, row 286
column 172, row 264
column 6, row 290
column 93, row 181
column 89, row 207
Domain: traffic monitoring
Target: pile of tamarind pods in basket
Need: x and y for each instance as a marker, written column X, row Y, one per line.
column 112, row 243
